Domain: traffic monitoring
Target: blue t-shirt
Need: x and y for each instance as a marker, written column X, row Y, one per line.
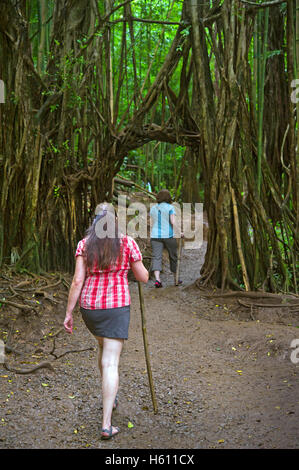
column 160, row 214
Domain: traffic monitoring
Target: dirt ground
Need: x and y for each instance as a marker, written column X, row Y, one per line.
column 222, row 373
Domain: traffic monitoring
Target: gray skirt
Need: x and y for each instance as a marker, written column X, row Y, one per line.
column 108, row 322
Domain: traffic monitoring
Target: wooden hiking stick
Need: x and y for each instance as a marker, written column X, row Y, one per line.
column 148, row 366
column 178, row 262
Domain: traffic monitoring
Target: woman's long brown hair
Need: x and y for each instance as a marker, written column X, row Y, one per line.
column 102, row 252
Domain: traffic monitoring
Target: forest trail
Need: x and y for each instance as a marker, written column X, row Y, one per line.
column 223, row 377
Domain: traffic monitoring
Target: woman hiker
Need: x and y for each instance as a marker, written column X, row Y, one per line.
column 162, row 235
column 101, row 285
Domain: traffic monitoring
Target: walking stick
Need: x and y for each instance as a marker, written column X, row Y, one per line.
column 149, row 370
column 178, row 262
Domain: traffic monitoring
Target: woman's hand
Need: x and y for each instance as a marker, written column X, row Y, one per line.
column 68, row 322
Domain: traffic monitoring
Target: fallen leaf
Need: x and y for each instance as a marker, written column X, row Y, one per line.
column 221, row 441
column 130, row 425
column 45, row 385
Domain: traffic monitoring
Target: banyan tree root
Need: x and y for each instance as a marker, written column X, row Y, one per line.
column 67, row 352
column 27, row 291
column 46, row 365
column 286, row 301
column 250, row 294
column 254, row 304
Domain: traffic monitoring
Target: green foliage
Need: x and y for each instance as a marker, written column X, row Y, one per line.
column 159, row 166
column 138, row 50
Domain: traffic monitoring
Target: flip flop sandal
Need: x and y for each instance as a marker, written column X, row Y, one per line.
column 158, row 284
column 109, row 433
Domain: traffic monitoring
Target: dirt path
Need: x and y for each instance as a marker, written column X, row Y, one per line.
column 223, row 378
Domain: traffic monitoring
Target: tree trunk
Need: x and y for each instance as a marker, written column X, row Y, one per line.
column 20, row 141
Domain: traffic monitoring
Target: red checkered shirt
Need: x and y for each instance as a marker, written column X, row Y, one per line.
column 109, row 288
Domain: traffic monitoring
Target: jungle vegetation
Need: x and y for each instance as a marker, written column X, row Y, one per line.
column 198, row 96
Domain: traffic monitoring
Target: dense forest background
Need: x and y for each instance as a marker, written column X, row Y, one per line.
column 198, row 96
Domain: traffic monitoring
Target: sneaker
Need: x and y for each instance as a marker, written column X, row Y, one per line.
column 158, row 284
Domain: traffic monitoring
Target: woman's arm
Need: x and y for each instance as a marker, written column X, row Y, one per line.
column 172, row 220
column 74, row 293
column 140, row 272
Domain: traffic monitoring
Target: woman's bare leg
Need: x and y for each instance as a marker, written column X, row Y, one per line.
column 100, row 353
column 110, row 378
